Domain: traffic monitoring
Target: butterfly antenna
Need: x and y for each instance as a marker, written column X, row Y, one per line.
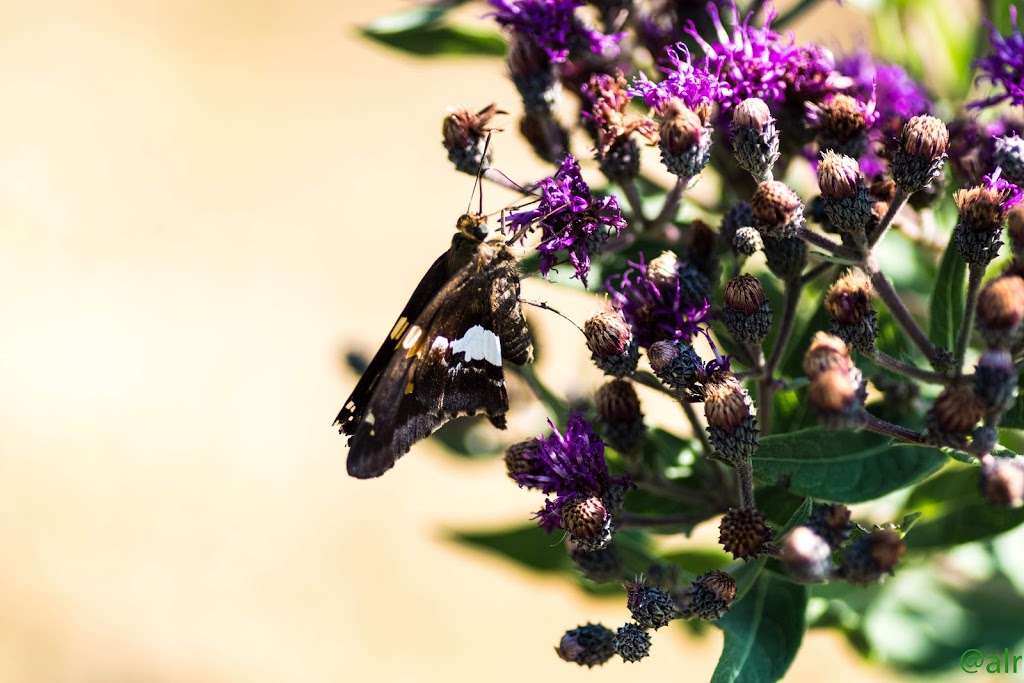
column 544, row 305
column 479, row 175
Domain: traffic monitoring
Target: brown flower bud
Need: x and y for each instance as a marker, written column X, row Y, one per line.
column 956, row 410
column 831, row 522
column 607, row 334
column 664, row 270
column 751, row 113
column 925, row 136
column 1001, row 304
column 842, row 117
column 775, row 207
column 981, row 208
column 681, row 127
column 1002, row 481
column 848, row 300
column 616, row 402
column 883, row 189
column 826, row 352
column 838, row 176
column 586, row 519
column 886, row 549
column 744, row 532
column 727, row 404
column 709, row 596
column 744, row 293
column 806, row 555
column 872, row 556
column 833, row 392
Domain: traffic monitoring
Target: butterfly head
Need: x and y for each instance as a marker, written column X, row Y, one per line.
column 473, row 226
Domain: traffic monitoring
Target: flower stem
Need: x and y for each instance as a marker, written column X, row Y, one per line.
column 822, row 242
column 975, row 273
column 906, row 369
column 632, row 520
column 671, row 205
column 814, row 272
column 766, row 388
column 886, row 428
column 899, row 311
column 895, row 205
column 745, row 473
column 636, row 204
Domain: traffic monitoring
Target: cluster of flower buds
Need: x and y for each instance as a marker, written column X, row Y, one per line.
column 837, row 392
column 848, row 302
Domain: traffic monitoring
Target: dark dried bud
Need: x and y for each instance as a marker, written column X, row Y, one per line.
column 1009, row 156
column 777, row 209
column 675, row 363
column 744, row 533
column 651, row 607
column 953, row 415
column 621, row 161
column 612, row 346
column 806, row 555
column 1002, row 481
column 882, row 189
column 589, row 646
column 747, row 241
column 826, row 352
column 786, row 256
column 921, row 154
column 463, row 134
column 995, row 380
column 841, row 123
column 597, row 565
column 533, row 75
column 847, row 203
column 755, row 139
column 980, row 223
column 632, row 642
column 547, row 137
column 872, row 556
column 732, row 419
column 709, row 596
column 588, row 522
column 747, row 313
column 837, row 398
column 738, row 216
column 521, row 458
column 618, row 408
column 685, row 140
column 831, row 522
column 848, row 302
column 1001, row 310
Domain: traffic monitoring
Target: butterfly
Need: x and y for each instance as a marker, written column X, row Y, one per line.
column 443, row 357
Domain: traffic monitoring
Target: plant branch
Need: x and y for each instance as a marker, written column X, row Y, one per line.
column 745, row 474
column 636, row 204
column 833, row 248
column 886, row 428
column 632, row 520
column 975, row 273
column 908, row 370
column 936, row 356
column 670, row 206
column 895, row 205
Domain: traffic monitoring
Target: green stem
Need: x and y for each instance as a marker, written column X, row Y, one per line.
column 766, row 388
column 895, row 205
column 899, row 311
column 671, row 205
column 975, row 273
column 636, row 204
column 906, row 369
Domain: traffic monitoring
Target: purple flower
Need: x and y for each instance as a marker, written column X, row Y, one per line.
column 1005, row 65
column 662, row 310
column 972, row 146
column 1012, row 195
column 898, row 96
column 695, row 85
column 571, row 219
column 567, row 467
column 606, row 99
column 554, row 26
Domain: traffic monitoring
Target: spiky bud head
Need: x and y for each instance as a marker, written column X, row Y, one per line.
column 744, row 532
column 675, row 363
column 709, row 596
column 826, row 352
column 1001, row 310
column 618, row 408
column 777, row 209
column 732, row 419
column 632, row 642
column 664, row 269
column 786, row 256
column 806, row 555
column 872, row 556
column 954, row 413
column 751, row 113
column 838, row 175
column 755, row 139
column 685, row 140
column 981, row 208
column 612, row 346
column 747, row 313
column 831, row 522
column 995, row 380
column 921, row 153
column 588, row 522
column 1009, row 156
column 744, row 293
column 848, row 300
column 521, row 458
column 835, row 396
column 650, row 607
column 842, row 123
column 590, row 645
column 747, row 241
column 462, row 133
column 1002, row 481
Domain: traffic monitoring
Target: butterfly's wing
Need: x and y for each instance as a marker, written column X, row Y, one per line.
column 447, row 363
column 354, row 409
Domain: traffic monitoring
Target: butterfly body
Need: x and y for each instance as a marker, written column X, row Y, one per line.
column 444, row 355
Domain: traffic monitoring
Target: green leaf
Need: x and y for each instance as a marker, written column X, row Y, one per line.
column 527, row 544
column 846, row 467
column 420, row 31
column 947, row 304
column 953, row 511
column 763, row 631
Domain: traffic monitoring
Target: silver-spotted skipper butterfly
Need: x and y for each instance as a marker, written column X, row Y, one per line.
column 443, row 357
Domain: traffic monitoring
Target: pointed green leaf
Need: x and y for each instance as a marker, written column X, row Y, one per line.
column 947, row 304
column 847, row 467
column 763, row 631
column 420, row 31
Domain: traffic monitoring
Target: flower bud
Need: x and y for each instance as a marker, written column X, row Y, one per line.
column 533, row 75
column 463, row 134
column 664, row 270
column 650, row 607
column 600, row 566
column 755, row 139
column 732, row 419
column 709, row 596
column 747, row 241
column 872, row 556
column 588, row 522
column 612, row 346
column 831, row 523
column 841, row 122
column 826, row 352
column 806, row 555
column 837, row 398
column 747, row 313
column 744, row 533
column 632, row 642
column 621, row 161
column 848, row 302
column 778, row 211
column 847, row 203
column 1002, row 481
column 921, row 154
column 995, row 380
column 618, row 408
column 521, row 458
column 589, row 646
column 954, row 414
column 676, row 364
column 1009, row 156
column 980, row 223
column 685, row 140
column 738, row 216
column 1001, row 311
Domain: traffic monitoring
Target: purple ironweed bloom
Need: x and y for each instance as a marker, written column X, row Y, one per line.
column 1005, row 65
column 972, row 145
column 1011, row 194
column 694, row 84
column 554, row 26
column 571, row 219
column 605, row 101
column 674, row 308
column 898, row 97
column 568, row 467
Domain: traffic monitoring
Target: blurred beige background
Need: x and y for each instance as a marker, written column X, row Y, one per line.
column 201, row 203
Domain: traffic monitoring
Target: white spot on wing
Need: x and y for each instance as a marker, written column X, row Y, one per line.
column 412, row 336
column 440, row 344
column 478, row 344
